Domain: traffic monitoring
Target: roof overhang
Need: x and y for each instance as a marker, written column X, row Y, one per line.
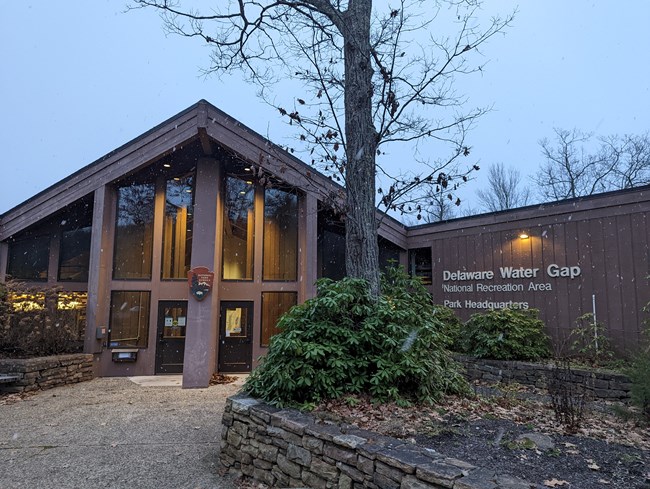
column 213, row 128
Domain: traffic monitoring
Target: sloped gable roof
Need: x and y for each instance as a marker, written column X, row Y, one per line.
column 201, row 121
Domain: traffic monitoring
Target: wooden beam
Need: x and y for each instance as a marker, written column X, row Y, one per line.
column 206, row 145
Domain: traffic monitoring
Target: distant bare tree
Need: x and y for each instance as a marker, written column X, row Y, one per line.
column 439, row 206
column 570, row 170
column 631, row 157
column 504, row 190
column 574, row 169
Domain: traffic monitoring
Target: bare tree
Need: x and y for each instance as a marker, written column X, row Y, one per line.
column 576, row 167
column 631, row 157
column 369, row 81
column 504, row 189
column 440, row 206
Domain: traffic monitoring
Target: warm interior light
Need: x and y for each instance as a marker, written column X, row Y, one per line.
column 249, row 182
column 523, row 236
column 247, row 169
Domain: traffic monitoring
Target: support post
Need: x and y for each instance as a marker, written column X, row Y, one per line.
column 201, row 335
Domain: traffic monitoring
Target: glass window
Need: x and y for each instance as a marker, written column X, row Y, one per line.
column 388, row 254
column 129, row 325
column 177, row 227
column 420, row 264
column 274, row 305
column 71, row 310
column 134, row 231
column 280, row 235
column 331, row 254
column 74, row 255
column 29, row 258
column 238, row 229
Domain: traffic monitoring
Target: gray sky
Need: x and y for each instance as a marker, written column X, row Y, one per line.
column 80, row 78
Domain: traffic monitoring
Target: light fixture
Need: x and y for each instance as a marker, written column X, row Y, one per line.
column 523, row 236
column 247, row 169
column 249, row 182
column 167, row 165
column 242, row 192
column 188, row 190
column 177, row 179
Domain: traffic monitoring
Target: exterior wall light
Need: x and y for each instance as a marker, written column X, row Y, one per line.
column 523, row 236
column 167, row 165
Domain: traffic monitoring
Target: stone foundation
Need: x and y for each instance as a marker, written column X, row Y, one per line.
column 606, row 386
column 46, row 372
column 287, row 448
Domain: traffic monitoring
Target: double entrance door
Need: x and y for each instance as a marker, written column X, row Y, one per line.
column 235, row 336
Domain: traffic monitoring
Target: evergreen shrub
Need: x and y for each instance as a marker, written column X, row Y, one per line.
column 506, row 334
column 345, row 342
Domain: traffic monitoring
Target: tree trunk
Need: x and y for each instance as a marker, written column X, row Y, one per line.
column 362, row 251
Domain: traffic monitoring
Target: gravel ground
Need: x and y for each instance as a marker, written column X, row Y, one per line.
column 112, row 433
column 573, row 462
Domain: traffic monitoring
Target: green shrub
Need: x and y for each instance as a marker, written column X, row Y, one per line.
column 452, row 326
column 589, row 342
column 506, row 334
column 343, row 341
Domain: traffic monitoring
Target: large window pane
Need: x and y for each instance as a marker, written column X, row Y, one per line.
column 177, row 227
column 74, row 255
column 238, row 229
column 420, row 264
column 274, row 305
column 134, row 231
column 28, row 258
column 129, row 324
column 330, row 246
column 280, row 235
column 71, row 310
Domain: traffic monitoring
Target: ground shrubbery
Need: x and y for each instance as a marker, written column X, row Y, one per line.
column 506, row 334
column 343, row 341
column 31, row 325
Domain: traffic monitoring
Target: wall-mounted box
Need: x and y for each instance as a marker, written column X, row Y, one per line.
column 125, row 355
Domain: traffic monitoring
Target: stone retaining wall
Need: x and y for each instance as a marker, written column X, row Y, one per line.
column 607, row 386
column 46, row 372
column 286, row 448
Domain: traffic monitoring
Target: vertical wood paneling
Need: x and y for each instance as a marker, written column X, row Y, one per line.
column 614, row 300
column 630, row 307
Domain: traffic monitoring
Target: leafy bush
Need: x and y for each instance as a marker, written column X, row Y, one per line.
column 639, row 374
column 452, row 326
column 506, row 334
column 589, row 342
column 31, row 325
column 343, row 341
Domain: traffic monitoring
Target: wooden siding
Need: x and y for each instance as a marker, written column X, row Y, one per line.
column 606, row 236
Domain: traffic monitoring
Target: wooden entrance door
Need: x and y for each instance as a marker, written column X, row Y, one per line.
column 235, row 336
column 170, row 347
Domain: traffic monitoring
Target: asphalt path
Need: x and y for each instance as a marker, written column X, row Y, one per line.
column 114, row 433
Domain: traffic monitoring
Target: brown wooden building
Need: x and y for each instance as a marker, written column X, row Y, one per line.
column 202, row 192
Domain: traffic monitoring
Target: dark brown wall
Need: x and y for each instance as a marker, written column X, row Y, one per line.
column 607, row 237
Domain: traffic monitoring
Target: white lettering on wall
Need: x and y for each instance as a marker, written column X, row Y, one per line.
column 554, row 270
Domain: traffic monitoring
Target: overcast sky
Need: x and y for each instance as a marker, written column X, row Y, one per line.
column 79, row 78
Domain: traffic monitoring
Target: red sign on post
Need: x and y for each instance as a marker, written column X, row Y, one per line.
column 200, row 280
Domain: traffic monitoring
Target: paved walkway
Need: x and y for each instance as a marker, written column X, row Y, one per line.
column 114, row 433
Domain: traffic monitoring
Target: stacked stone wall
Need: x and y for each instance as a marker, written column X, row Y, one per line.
column 46, row 372
column 606, row 386
column 287, row 448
